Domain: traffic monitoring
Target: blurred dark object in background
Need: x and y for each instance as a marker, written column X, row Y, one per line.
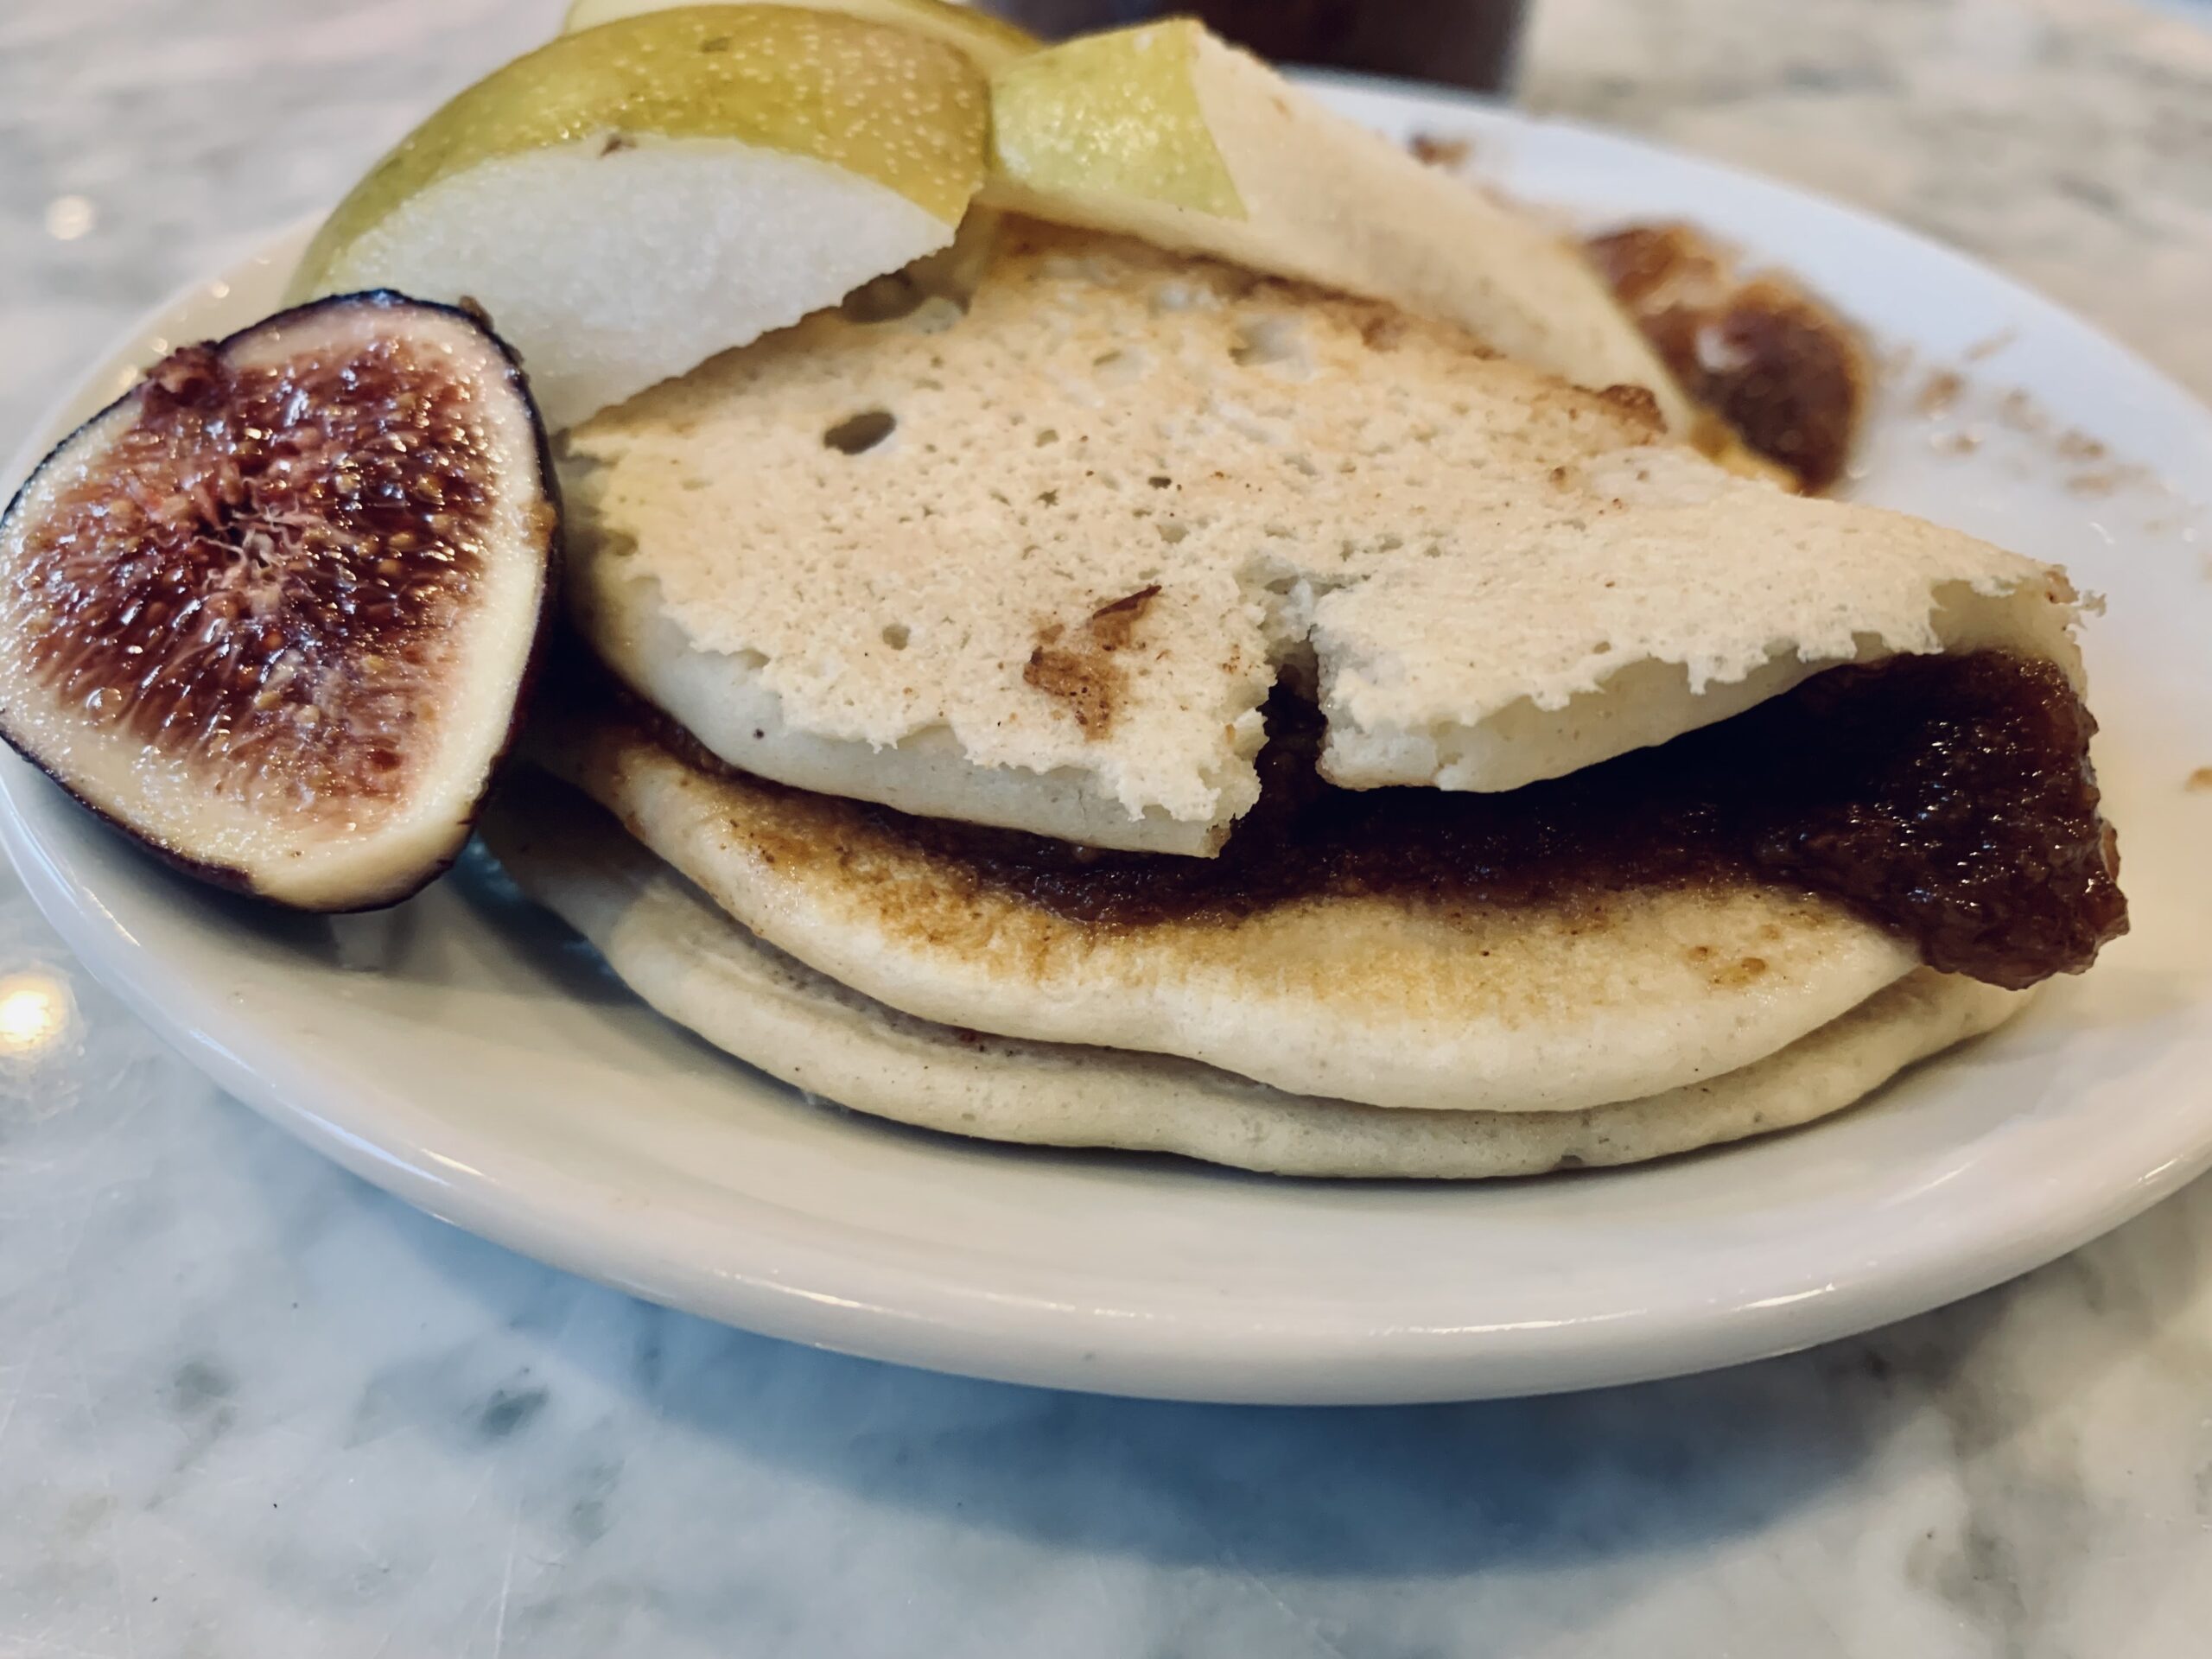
column 1461, row 43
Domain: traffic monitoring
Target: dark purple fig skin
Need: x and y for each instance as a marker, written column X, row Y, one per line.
column 551, row 534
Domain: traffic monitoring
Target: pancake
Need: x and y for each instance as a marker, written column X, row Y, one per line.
column 1669, row 916
column 1040, row 562
column 671, row 944
column 1378, row 999
column 1236, row 718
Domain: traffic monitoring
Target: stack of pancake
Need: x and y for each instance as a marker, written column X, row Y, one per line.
column 1134, row 703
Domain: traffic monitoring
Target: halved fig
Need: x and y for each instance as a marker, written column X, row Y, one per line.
column 273, row 611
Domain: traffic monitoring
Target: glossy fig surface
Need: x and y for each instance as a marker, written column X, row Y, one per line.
column 273, row 611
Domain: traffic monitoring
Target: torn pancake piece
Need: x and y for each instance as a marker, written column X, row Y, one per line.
column 1038, row 563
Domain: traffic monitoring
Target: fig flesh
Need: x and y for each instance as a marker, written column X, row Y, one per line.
column 273, row 611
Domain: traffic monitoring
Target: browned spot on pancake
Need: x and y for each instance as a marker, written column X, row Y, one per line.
column 2199, row 779
column 1113, row 622
column 1081, row 669
column 1735, row 975
column 1638, row 404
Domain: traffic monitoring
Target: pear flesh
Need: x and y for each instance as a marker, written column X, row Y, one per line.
column 628, row 201
column 1164, row 132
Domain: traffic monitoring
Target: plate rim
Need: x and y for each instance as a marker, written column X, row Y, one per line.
column 950, row 1327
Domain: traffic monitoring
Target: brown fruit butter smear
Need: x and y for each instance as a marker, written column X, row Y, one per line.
column 260, row 572
column 1779, row 366
column 1947, row 799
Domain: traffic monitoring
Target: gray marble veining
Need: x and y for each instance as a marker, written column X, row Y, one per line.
column 249, row 1406
column 2068, row 143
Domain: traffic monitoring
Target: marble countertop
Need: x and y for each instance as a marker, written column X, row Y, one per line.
column 249, row 1406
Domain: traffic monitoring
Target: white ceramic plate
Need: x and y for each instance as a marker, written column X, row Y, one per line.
column 459, row 1053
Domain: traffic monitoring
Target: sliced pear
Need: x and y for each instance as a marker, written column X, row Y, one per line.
column 627, row 201
column 991, row 41
column 1164, row 132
